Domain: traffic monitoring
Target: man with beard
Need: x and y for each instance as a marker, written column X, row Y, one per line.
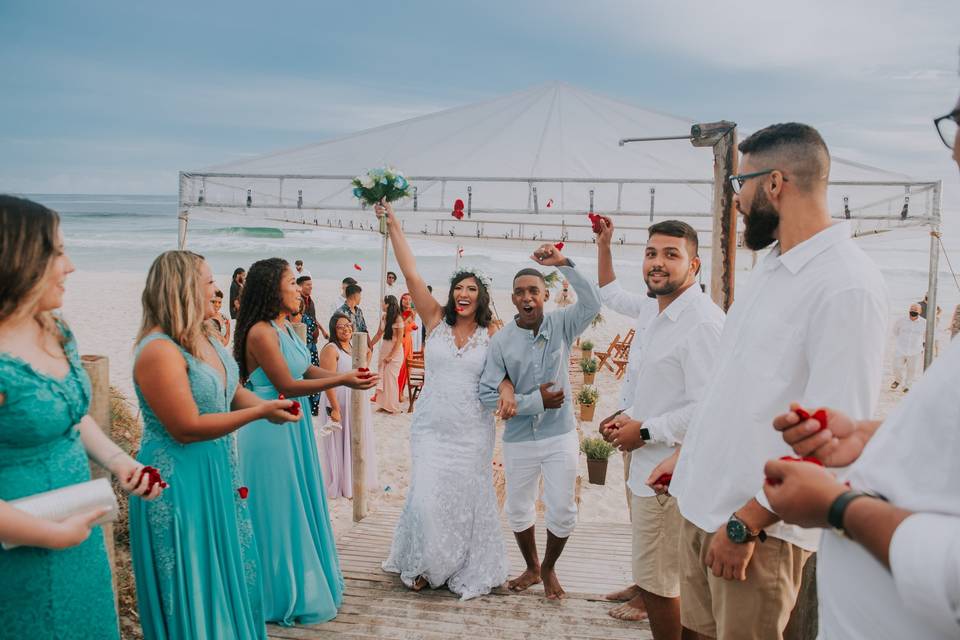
column 809, row 328
column 890, row 568
column 677, row 353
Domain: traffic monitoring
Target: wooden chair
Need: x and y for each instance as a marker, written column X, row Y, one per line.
column 414, row 377
column 621, row 358
column 603, row 356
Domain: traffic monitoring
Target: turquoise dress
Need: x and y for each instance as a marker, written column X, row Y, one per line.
column 193, row 553
column 46, row 593
column 302, row 583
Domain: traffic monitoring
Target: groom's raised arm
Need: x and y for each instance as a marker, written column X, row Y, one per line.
column 494, row 371
column 578, row 316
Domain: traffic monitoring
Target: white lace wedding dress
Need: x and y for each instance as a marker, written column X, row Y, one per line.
column 449, row 530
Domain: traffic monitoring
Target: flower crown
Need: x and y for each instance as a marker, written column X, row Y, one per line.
column 476, row 273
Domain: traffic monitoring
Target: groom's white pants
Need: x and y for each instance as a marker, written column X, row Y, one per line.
column 523, row 463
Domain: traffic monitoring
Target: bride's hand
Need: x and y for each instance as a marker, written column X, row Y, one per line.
column 385, row 209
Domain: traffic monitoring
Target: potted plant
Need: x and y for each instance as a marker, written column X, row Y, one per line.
column 588, row 402
column 587, row 347
column 597, row 451
column 589, row 369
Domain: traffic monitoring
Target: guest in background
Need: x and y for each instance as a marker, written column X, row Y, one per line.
column 391, row 358
column 908, row 334
column 301, row 272
column 219, row 322
column 409, row 326
column 302, row 582
column 392, row 288
column 566, row 297
column 309, row 318
column 236, row 288
column 193, row 554
column 57, row 583
column 351, row 308
column 341, row 298
column 335, row 454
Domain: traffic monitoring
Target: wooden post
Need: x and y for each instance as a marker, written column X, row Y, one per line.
column 358, row 425
column 98, row 370
column 722, row 136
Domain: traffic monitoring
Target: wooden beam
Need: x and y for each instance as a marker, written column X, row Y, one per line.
column 357, row 428
column 723, row 137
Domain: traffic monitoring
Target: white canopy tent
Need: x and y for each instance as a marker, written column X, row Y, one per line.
column 527, row 165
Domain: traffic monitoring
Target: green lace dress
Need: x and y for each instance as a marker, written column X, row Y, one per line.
column 46, row 593
column 193, row 552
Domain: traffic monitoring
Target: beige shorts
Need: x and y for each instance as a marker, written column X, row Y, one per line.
column 756, row 609
column 656, row 544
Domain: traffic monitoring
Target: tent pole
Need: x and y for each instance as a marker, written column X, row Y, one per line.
column 932, row 275
column 184, row 216
column 383, row 271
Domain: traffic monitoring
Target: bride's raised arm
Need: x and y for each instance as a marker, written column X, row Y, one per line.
column 427, row 306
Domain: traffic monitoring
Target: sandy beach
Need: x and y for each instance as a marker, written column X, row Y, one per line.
column 104, row 311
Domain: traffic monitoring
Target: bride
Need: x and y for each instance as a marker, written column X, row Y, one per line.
column 449, row 531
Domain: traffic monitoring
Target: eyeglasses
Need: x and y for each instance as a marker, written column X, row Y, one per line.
column 344, row 327
column 947, row 127
column 737, row 181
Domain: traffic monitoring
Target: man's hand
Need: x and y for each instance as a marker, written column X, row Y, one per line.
column 664, row 467
column 801, row 492
column 551, row 399
column 549, row 256
column 727, row 559
column 839, row 445
column 625, row 433
column 606, row 433
column 605, row 236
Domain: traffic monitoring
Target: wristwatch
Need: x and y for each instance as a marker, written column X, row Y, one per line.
column 839, row 506
column 739, row 533
column 644, row 434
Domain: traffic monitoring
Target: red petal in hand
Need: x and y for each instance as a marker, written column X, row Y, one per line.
column 820, row 415
column 244, row 492
column 153, row 478
column 596, row 222
column 775, row 482
column 559, row 246
column 664, row 479
column 295, row 408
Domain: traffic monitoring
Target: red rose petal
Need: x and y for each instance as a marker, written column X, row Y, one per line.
column 458, row 205
column 457, row 213
column 596, row 222
column 153, row 478
column 820, row 415
column 295, row 408
column 664, row 479
column 357, row 267
column 559, row 246
column 776, row 482
column 244, row 492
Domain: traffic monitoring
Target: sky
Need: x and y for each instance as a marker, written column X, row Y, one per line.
column 117, row 97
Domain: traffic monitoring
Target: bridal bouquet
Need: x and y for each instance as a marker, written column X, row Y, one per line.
column 381, row 184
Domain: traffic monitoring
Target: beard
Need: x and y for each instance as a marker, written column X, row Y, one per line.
column 664, row 289
column 761, row 224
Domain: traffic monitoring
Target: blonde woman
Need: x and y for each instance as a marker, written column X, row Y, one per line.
column 193, row 554
column 56, row 584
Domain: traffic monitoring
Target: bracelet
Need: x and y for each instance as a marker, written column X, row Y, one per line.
column 839, row 507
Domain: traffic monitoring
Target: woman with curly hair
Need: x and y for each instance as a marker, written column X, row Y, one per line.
column 56, row 583
column 301, row 575
column 193, row 554
column 449, row 530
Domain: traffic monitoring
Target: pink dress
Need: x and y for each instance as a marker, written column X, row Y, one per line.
column 388, row 389
column 335, row 458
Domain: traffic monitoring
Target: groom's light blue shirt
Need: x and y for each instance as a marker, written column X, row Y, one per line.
column 532, row 359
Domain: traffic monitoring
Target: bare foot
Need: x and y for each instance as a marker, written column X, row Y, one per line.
column 551, row 585
column 624, row 595
column 525, row 580
column 633, row 611
column 419, row 583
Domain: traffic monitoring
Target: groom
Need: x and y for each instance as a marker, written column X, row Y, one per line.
column 534, row 352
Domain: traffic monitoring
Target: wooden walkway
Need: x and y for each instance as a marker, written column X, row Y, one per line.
column 377, row 605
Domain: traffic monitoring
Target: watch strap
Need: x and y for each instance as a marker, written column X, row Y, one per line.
column 645, row 434
column 839, row 507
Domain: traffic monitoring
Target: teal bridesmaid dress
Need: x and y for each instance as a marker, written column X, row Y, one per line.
column 193, row 552
column 46, row 593
column 302, row 583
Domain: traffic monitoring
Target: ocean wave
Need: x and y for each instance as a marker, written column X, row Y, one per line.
column 243, row 232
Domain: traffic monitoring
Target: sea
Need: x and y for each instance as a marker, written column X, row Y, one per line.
column 107, row 233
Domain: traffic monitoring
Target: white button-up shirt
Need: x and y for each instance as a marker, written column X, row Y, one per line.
column 912, row 460
column 809, row 329
column 644, row 309
column 679, row 349
column 909, row 335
